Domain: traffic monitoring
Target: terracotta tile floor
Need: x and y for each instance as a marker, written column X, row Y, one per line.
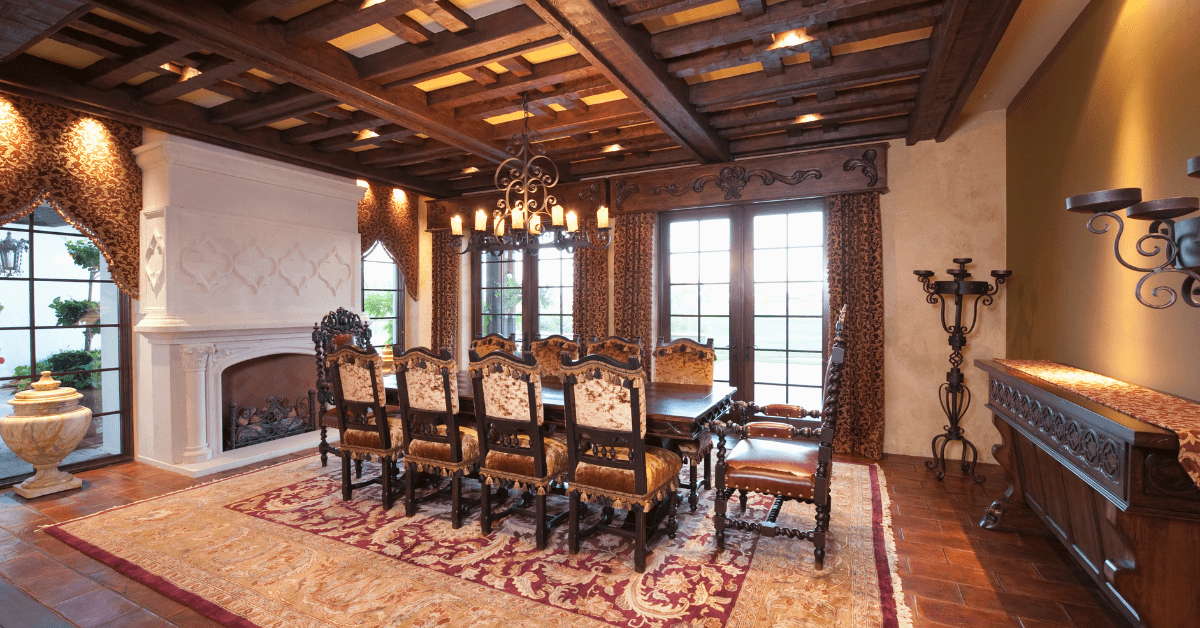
column 954, row 573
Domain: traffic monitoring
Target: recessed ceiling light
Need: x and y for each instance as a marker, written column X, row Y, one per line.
column 471, row 170
column 809, row 117
column 367, row 134
column 363, row 184
column 612, row 148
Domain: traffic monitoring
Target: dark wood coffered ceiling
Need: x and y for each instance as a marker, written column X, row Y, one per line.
column 424, row 94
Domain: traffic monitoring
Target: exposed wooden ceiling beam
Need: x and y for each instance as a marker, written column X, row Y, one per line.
column 164, row 88
column 843, row 116
column 333, row 128
column 287, row 97
column 322, row 68
column 24, row 23
column 812, row 104
column 778, row 18
column 384, row 134
column 603, row 116
column 45, row 81
column 403, row 156
column 91, row 43
column 258, row 10
column 880, row 64
column 622, row 54
column 963, row 42
column 408, row 29
column 570, row 90
column 337, row 18
column 109, row 73
column 858, row 29
column 640, row 12
column 864, row 131
column 447, row 14
column 631, row 163
column 550, row 73
column 492, row 35
column 116, row 32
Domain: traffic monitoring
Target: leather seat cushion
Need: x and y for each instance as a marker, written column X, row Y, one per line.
column 773, row 466
column 518, row 464
column 433, row 450
column 661, row 467
column 369, row 439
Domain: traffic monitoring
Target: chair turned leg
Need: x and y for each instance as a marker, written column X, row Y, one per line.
column 324, row 446
column 573, row 524
column 708, row 471
column 672, row 521
column 456, row 500
column 742, row 498
column 346, row 490
column 639, row 541
column 693, row 493
column 485, row 507
column 410, row 489
column 540, row 522
column 719, row 519
column 358, row 464
column 819, row 533
column 386, row 481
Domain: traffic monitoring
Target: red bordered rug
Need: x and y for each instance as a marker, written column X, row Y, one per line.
column 279, row 548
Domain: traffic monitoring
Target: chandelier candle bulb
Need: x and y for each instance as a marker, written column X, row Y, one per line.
column 572, row 222
column 481, row 220
column 602, row 217
column 456, row 225
column 499, row 227
column 535, row 224
column 518, row 218
column 556, row 215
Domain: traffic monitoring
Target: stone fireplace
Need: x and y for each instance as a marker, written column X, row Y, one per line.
column 268, row 397
column 240, row 256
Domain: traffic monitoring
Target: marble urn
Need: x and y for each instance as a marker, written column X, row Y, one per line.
column 47, row 424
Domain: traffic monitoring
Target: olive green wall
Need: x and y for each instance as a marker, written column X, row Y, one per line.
column 1116, row 105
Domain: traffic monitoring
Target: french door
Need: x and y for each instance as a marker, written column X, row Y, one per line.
column 752, row 278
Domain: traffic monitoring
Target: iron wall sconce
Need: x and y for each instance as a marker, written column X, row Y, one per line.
column 1177, row 242
column 954, row 394
column 10, row 255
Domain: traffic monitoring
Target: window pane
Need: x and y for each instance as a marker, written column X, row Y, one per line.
column 806, row 264
column 685, row 236
column 685, row 327
column 549, row 300
column 769, row 367
column 377, row 275
column 14, row 350
column 806, row 298
column 765, row 394
column 714, row 267
column 714, row 298
column 770, row 231
column 770, row 265
column 377, row 254
column 805, row 368
column 770, row 299
column 54, row 257
column 807, row 398
column 67, row 303
column 721, row 366
column 715, row 327
column 14, row 298
column 381, row 307
column 64, row 349
column 714, row 235
column 685, row 268
column 770, row 333
column 46, row 219
column 806, row 229
column 804, row 334
column 683, row 300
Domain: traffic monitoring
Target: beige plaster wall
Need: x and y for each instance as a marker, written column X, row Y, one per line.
column 420, row 313
column 947, row 200
column 1114, row 106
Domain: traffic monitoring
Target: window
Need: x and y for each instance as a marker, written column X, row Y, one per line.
column 525, row 300
column 752, row 278
column 383, row 298
column 62, row 313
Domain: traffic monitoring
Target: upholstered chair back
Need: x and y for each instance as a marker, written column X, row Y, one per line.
column 684, row 361
column 614, row 347
column 506, row 382
column 493, row 342
column 339, row 328
column 426, row 378
column 358, row 391
column 548, row 353
column 607, row 394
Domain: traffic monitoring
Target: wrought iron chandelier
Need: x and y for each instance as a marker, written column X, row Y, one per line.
column 527, row 209
column 1177, row 241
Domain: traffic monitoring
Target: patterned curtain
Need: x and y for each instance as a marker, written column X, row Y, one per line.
column 84, row 168
column 446, row 279
column 390, row 218
column 591, row 289
column 855, row 249
column 633, row 280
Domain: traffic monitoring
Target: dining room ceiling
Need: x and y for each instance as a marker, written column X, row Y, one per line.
column 425, row 94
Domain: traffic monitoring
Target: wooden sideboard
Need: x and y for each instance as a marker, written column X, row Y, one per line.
column 1109, row 486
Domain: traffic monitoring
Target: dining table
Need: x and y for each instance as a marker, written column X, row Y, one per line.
column 677, row 417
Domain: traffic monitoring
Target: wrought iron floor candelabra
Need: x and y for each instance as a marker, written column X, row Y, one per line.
column 954, row 394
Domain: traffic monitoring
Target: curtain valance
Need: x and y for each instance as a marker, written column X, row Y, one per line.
column 389, row 216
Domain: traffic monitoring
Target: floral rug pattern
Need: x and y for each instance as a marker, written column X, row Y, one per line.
column 279, row 548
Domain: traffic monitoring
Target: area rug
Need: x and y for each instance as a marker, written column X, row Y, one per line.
column 278, row 548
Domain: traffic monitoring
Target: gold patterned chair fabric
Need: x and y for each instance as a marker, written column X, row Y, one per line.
column 493, row 342
column 608, row 459
column 785, row 460
column 614, row 347
column 368, row 431
column 514, row 446
column 548, row 353
column 434, row 440
column 337, row 329
column 684, row 361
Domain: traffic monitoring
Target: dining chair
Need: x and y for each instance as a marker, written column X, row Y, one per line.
column 339, row 328
column 615, row 347
column 685, row 361
column 608, row 461
column 513, row 448
column 434, row 440
column 368, row 432
column 786, row 461
column 494, row 342
column 548, row 353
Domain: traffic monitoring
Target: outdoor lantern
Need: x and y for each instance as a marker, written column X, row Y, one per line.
column 10, row 255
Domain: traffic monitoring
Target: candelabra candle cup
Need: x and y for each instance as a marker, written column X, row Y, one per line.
column 535, row 224
column 602, row 217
